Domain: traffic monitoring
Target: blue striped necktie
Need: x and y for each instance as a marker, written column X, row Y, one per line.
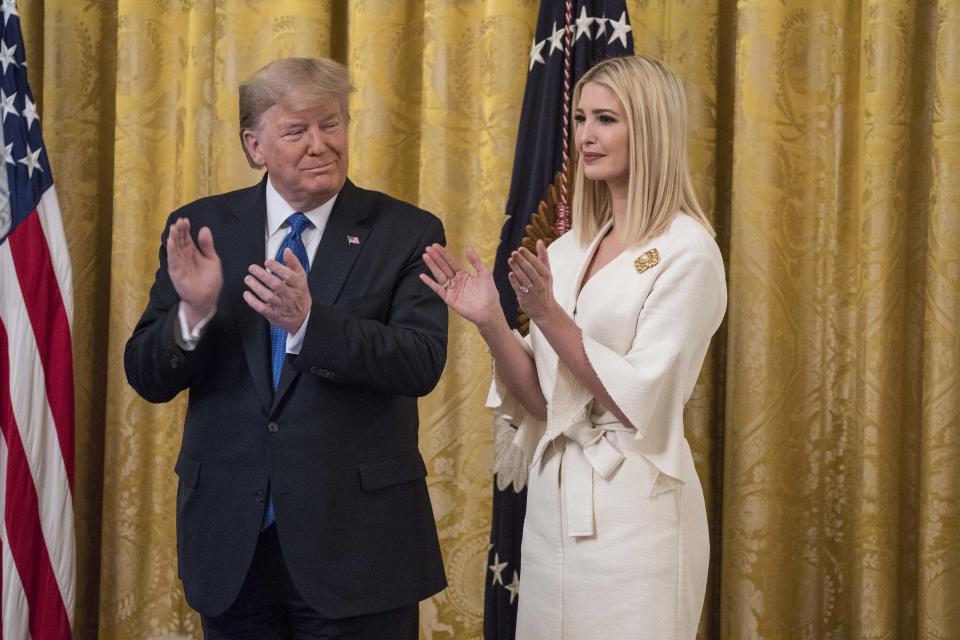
column 278, row 336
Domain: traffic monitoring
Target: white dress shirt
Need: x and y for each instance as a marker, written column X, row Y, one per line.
column 278, row 210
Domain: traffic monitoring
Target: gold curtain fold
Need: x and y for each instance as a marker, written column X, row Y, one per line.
column 840, row 494
column 825, row 145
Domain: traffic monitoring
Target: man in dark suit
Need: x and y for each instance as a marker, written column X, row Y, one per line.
column 302, row 509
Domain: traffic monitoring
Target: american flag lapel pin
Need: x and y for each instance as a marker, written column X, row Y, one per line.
column 353, row 240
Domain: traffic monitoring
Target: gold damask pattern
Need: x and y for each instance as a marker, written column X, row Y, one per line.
column 840, row 494
column 825, row 142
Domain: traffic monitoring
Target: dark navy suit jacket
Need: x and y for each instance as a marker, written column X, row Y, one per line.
column 337, row 442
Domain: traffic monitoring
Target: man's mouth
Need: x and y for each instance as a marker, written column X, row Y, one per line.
column 320, row 167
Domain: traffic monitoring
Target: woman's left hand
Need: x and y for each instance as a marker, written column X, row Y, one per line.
column 532, row 281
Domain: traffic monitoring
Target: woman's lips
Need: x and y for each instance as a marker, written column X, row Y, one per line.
column 591, row 157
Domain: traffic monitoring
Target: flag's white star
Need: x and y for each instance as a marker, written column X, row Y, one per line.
column 536, row 54
column 32, row 160
column 497, row 568
column 30, row 112
column 583, row 24
column 514, row 587
column 8, row 154
column 556, row 38
column 9, row 9
column 601, row 27
column 620, row 29
column 6, row 105
column 6, row 55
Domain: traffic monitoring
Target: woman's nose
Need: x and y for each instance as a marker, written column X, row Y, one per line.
column 585, row 133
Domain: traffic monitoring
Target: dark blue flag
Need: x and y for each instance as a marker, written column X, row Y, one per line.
column 597, row 29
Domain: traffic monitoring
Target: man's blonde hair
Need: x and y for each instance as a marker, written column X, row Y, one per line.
column 293, row 83
column 659, row 186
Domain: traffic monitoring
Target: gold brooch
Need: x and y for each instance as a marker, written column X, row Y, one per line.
column 646, row 260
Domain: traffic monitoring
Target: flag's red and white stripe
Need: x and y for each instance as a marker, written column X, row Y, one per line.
column 37, row 420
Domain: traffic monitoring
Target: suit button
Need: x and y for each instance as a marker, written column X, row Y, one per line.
column 273, row 427
column 258, row 497
column 174, row 362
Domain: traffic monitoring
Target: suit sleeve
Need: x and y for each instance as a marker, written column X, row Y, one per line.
column 156, row 367
column 681, row 314
column 651, row 382
column 404, row 355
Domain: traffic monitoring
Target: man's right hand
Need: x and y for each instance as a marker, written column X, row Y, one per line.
column 195, row 272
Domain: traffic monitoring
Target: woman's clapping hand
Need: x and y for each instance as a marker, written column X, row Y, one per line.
column 473, row 295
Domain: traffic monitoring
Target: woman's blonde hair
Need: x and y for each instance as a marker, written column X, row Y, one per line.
column 659, row 187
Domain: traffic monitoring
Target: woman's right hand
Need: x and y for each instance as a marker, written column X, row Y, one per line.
column 474, row 296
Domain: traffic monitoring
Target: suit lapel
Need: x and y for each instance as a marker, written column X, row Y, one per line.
column 343, row 239
column 569, row 303
column 341, row 244
column 244, row 245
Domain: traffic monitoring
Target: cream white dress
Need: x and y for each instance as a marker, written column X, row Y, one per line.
column 615, row 541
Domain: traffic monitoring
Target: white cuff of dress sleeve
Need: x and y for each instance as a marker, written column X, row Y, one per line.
column 185, row 338
column 500, row 399
column 295, row 340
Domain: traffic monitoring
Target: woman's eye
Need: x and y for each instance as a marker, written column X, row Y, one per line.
column 579, row 119
column 607, row 119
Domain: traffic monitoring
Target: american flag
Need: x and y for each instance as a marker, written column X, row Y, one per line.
column 36, row 370
column 598, row 29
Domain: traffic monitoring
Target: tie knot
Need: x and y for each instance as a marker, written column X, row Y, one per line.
column 298, row 222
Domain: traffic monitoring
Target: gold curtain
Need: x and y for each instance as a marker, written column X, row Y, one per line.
column 825, row 142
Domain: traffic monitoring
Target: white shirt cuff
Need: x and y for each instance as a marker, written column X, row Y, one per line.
column 295, row 340
column 185, row 338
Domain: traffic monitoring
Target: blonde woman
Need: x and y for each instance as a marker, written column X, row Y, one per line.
column 622, row 310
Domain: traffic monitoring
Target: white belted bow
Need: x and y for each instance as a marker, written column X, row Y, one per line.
column 594, row 452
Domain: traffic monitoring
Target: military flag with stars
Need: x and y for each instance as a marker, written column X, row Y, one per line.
column 571, row 36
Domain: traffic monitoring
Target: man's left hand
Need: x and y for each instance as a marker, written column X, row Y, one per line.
column 279, row 292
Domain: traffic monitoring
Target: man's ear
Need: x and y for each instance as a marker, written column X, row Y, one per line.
column 251, row 149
